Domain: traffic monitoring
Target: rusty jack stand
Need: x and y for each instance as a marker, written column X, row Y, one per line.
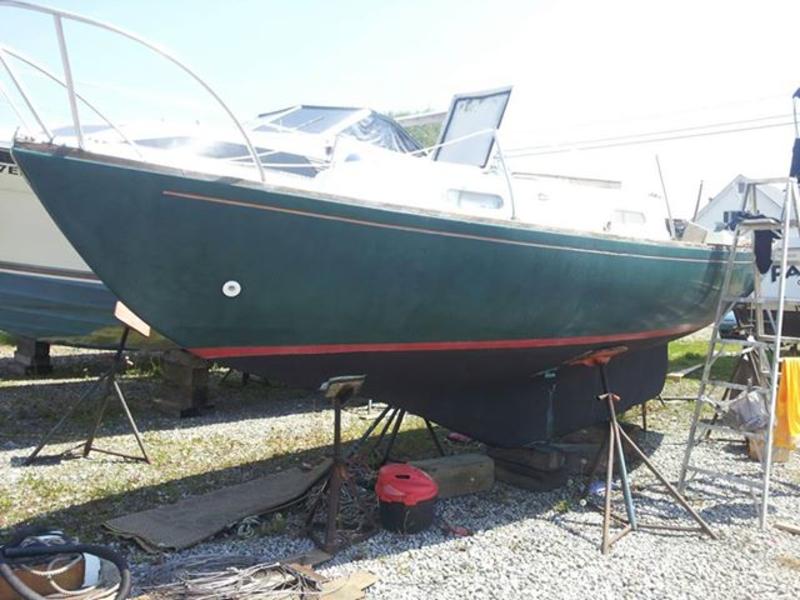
column 107, row 380
column 614, row 444
column 391, row 415
column 338, row 390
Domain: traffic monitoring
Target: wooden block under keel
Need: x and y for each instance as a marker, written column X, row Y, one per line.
column 459, row 474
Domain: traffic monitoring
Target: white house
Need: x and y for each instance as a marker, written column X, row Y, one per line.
column 715, row 215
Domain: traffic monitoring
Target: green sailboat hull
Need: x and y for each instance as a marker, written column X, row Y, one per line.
column 467, row 321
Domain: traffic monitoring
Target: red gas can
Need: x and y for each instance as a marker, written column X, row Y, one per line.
column 407, row 498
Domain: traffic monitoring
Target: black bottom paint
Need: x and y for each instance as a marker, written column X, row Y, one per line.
column 500, row 397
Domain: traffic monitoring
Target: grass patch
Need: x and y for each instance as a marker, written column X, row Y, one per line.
column 683, row 354
column 6, row 339
column 190, row 457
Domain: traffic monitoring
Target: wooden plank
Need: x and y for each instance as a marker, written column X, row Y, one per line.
column 787, row 527
column 307, row 572
column 311, row 558
column 185, row 378
column 459, row 474
column 538, row 482
column 540, row 458
column 351, row 587
column 305, row 562
column 678, row 375
column 129, row 318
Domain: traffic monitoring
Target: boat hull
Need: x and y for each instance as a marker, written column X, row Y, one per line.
column 457, row 319
column 61, row 308
column 500, row 397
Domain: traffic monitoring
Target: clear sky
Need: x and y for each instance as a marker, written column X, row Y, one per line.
column 581, row 70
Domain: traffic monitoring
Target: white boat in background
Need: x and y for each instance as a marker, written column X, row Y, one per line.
column 47, row 292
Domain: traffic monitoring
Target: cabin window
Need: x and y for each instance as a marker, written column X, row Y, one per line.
column 467, row 198
column 629, row 217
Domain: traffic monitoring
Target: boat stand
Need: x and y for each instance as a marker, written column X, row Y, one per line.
column 106, row 382
column 245, row 376
column 391, row 415
column 339, row 390
column 614, row 444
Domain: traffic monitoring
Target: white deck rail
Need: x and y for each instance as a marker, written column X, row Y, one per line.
column 58, row 17
column 6, row 51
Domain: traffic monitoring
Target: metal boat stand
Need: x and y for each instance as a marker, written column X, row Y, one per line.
column 245, row 377
column 106, row 382
column 339, row 390
column 395, row 415
column 614, row 444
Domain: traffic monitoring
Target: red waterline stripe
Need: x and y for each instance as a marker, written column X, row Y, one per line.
column 242, row 351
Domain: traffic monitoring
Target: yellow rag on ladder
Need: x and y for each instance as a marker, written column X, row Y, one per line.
column 787, row 411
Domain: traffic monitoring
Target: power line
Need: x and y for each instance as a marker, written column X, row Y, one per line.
column 654, row 133
column 632, row 141
column 656, row 116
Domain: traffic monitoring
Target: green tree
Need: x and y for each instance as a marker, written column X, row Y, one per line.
column 426, row 135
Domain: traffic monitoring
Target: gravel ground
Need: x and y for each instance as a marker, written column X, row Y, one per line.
column 523, row 544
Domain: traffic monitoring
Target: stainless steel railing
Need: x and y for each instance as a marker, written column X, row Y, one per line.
column 58, row 17
column 5, row 51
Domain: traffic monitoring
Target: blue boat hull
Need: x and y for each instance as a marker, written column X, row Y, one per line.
column 47, row 292
column 60, row 308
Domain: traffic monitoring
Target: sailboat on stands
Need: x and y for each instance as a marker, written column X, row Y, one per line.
column 462, row 291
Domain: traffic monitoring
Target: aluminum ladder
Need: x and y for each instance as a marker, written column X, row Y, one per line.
column 762, row 350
